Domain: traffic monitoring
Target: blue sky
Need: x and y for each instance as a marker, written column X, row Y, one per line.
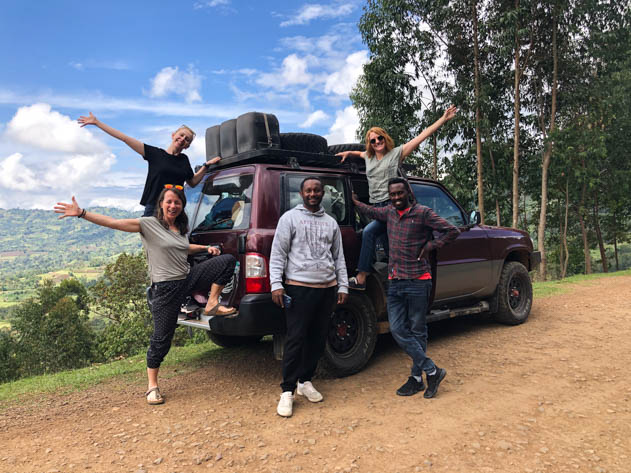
column 146, row 67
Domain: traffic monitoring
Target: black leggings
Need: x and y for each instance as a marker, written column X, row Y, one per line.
column 168, row 297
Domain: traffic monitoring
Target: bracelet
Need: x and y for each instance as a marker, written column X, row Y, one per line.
column 82, row 214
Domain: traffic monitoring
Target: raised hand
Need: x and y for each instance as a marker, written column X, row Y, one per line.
column 450, row 113
column 90, row 120
column 68, row 210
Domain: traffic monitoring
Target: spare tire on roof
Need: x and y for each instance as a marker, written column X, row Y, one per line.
column 303, row 142
column 334, row 149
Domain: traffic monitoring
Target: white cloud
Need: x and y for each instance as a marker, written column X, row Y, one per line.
column 292, row 72
column 345, row 126
column 119, row 202
column 342, row 82
column 79, row 170
column 314, row 11
column 39, row 126
column 197, row 151
column 315, row 117
column 73, row 160
column 211, row 4
column 170, row 80
column 16, row 176
column 116, row 65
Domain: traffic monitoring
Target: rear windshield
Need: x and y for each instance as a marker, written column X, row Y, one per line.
column 225, row 204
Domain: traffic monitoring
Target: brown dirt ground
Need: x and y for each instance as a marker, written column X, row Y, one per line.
column 551, row 395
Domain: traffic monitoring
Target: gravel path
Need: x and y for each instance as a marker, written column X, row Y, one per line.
column 551, row 395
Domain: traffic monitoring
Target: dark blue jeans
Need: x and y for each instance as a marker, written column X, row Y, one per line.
column 408, row 301
column 372, row 232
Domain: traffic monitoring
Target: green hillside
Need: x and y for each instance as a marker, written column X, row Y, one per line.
column 33, row 242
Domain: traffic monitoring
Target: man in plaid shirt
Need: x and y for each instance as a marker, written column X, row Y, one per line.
column 410, row 227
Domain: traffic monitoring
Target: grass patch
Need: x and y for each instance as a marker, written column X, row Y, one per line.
column 562, row 286
column 186, row 357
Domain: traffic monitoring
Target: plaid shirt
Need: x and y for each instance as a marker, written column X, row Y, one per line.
column 408, row 234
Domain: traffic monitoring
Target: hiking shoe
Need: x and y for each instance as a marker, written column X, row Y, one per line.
column 433, row 381
column 411, row 387
column 307, row 390
column 353, row 284
column 286, row 404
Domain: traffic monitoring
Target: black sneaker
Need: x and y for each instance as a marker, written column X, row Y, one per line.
column 433, row 381
column 411, row 387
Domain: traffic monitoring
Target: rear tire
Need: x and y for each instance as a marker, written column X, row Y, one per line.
column 231, row 341
column 351, row 338
column 307, row 142
column 514, row 294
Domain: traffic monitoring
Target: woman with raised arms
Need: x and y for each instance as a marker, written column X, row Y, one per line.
column 382, row 164
column 170, row 166
column 172, row 279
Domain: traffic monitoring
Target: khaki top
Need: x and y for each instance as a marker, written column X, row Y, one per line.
column 379, row 172
column 166, row 251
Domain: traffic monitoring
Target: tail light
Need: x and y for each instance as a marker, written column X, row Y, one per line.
column 256, row 277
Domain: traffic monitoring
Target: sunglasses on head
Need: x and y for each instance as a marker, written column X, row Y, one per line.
column 375, row 140
column 171, row 186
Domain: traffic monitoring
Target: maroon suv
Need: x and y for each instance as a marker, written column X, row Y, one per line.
column 240, row 201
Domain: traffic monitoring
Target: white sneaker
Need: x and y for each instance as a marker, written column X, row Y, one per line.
column 286, row 404
column 307, row 390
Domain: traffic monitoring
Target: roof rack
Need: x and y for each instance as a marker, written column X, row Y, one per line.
column 294, row 159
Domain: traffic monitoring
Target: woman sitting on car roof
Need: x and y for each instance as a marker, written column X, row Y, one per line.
column 172, row 279
column 169, row 166
column 382, row 164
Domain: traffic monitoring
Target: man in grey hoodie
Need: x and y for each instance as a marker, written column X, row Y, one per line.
column 307, row 249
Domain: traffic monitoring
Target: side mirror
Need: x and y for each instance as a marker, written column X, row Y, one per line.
column 474, row 218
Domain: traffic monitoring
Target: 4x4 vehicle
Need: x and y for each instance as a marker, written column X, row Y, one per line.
column 240, row 201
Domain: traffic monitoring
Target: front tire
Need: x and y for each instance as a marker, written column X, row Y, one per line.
column 351, row 337
column 514, row 294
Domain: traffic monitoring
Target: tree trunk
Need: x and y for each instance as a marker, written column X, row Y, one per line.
column 615, row 252
column 588, row 260
column 564, row 234
column 495, row 187
column 547, row 154
column 516, row 133
column 581, row 218
column 599, row 236
column 478, row 137
column 435, row 168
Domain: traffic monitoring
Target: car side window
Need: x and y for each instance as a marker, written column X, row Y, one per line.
column 434, row 198
column 334, row 200
column 225, row 204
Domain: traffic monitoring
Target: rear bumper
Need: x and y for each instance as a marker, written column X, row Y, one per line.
column 258, row 315
column 535, row 260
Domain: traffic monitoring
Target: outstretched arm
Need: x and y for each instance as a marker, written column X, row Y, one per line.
column 193, row 181
column 133, row 143
column 378, row 213
column 414, row 143
column 131, row 225
column 354, row 154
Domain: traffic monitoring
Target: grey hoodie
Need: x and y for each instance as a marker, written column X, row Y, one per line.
column 307, row 247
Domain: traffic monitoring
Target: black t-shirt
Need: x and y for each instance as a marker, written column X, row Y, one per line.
column 164, row 168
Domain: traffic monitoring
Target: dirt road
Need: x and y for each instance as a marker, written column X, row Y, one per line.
column 551, row 395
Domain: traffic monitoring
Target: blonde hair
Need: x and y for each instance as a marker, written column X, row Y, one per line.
column 370, row 152
column 184, row 127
